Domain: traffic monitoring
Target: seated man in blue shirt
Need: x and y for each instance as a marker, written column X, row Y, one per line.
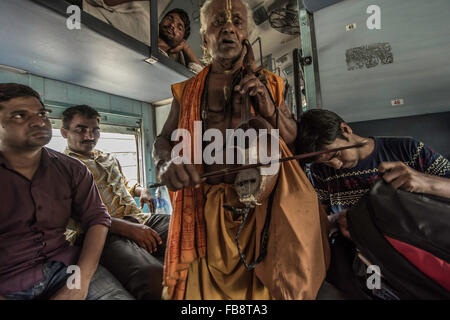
column 342, row 178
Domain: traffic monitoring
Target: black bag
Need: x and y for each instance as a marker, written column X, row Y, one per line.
column 408, row 236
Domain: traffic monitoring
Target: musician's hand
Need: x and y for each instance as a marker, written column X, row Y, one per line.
column 250, row 85
column 179, row 176
column 401, row 176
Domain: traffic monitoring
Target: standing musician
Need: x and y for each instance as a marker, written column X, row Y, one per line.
column 202, row 259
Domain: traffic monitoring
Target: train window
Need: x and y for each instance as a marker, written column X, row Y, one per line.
column 119, row 141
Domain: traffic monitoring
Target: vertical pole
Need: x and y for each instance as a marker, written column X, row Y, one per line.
column 154, row 25
column 148, row 138
column 308, row 59
column 297, row 83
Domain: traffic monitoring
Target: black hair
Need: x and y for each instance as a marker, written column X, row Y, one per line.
column 185, row 18
column 10, row 91
column 316, row 129
column 83, row 110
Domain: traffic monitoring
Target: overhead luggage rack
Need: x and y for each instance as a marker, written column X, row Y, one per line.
column 315, row 5
column 35, row 38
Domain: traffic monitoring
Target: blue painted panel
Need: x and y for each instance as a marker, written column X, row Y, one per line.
column 123, row 105
column 65, row 95
column 431, row 129
column 56, row 91
column 37, row 83
column 10, row 77
column 136, row 107
column 95, row 99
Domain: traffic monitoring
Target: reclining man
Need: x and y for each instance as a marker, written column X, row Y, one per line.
column 174, row 30
column 41, row 189
column 202, row 259
column 343, row 177
column 134, row 250
column 133, row 18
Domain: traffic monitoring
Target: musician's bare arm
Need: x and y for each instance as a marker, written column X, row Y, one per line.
column 286, row 124
column 251, row 85
column 174, row 176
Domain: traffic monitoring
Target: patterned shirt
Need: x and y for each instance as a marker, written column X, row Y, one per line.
column 341, row 189
column 113, row 188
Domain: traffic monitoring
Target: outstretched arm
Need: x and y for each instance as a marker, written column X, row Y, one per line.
column 401, row 176
column 190, row 55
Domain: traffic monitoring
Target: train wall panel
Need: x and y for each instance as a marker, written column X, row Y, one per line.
column 398, row 70
column 431, row 129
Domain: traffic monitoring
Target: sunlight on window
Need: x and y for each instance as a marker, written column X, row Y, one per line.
column 122, row 146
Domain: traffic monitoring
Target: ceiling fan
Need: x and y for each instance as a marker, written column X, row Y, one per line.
column 283, row 17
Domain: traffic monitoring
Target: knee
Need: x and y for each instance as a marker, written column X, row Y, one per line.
column 104, row 286
column 147, row 283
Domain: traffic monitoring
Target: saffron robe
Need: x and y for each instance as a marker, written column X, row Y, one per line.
column 297, row 253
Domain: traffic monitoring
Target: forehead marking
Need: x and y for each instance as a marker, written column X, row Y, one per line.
column 229, row 11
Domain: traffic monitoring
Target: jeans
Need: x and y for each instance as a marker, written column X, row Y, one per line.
column 103, row 285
